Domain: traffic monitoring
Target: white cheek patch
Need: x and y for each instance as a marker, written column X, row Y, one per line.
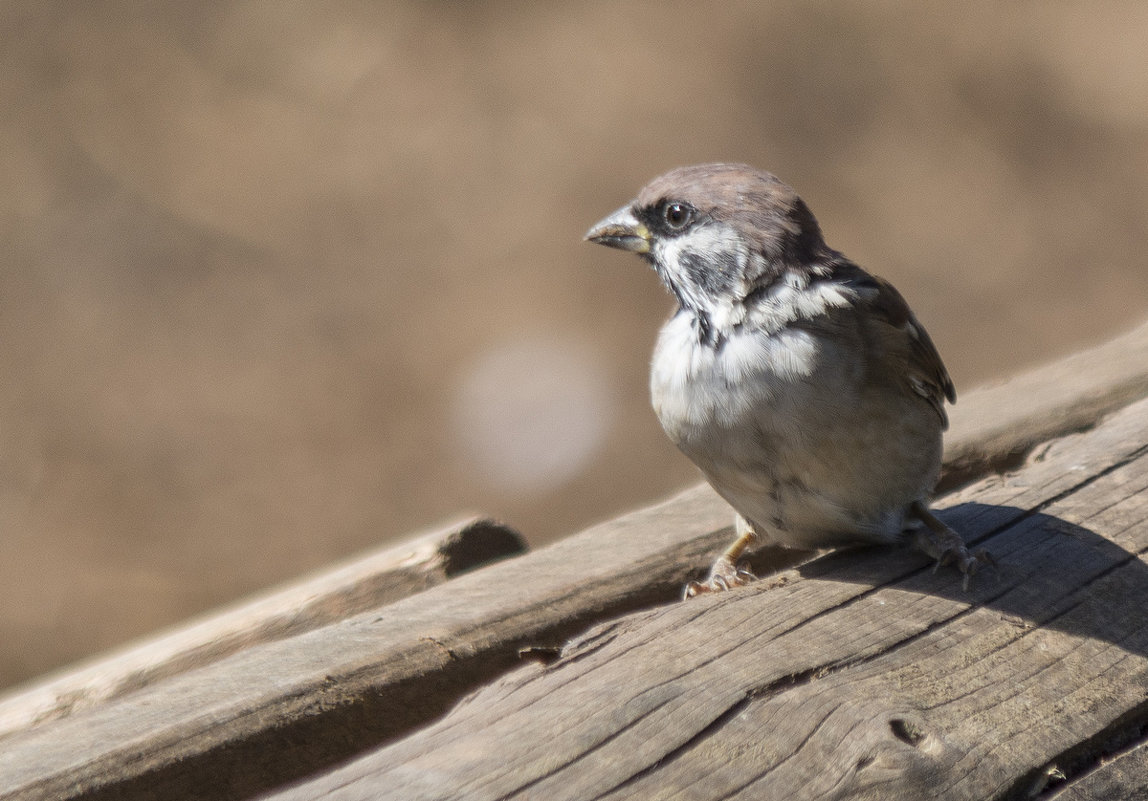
column 714, row 238
column 724, row 253
column 711, row 239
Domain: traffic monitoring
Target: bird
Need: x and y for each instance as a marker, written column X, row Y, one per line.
column 802, row 386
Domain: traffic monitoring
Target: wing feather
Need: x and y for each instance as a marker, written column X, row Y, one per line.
column 902, row 335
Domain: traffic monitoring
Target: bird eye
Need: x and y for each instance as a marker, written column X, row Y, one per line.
column 677, row 215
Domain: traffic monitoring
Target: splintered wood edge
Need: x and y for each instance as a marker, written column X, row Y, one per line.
column 369, row 580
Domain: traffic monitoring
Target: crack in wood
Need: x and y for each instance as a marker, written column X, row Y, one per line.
column 585, row 754
column 1123, row 735
column 587, row 646
column 1092, row 478
column 755, row 778
column 728, row 714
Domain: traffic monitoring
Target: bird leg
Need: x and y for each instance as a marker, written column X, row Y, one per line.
column 940, row 542
column 726, row 573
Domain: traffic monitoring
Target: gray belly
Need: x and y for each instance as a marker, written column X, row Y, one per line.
column 801, row 446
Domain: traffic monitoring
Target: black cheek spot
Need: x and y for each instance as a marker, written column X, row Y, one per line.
column 729, row 267
column 697, row 270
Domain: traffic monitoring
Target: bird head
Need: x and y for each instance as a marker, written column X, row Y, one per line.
column 715, row 233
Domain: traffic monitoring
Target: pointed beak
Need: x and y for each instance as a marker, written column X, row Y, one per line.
column 621, row 230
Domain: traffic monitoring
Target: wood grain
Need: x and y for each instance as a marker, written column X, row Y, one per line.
column 858, row 675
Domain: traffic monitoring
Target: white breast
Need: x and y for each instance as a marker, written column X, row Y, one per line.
column 781, row 423
column 761, row 366
column 695, row 386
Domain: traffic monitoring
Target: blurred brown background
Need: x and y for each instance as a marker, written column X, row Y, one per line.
column 281, row 281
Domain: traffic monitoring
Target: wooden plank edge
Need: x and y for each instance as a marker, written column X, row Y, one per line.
column 369, row 580
column 997, row 426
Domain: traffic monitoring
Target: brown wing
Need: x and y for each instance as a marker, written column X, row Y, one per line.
column 924, row 370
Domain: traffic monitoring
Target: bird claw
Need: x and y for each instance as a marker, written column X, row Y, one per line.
column 947, row 548
column 937, row 540
column 724, row 575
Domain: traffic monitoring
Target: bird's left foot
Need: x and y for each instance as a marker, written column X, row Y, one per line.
column 726, row 572
column 946, row 546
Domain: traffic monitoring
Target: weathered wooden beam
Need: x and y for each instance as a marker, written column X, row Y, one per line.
column 365, row 582
column 285, row 709
column 862, row 674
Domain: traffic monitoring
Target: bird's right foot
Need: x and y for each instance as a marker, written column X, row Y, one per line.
column 726, row 572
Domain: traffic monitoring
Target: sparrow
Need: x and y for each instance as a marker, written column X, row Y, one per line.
column 802, row 386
